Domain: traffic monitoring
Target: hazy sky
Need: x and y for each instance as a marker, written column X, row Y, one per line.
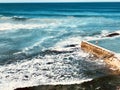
column 59, row 0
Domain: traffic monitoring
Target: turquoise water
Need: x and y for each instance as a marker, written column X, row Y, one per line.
column 40, row 42
column 112, row 44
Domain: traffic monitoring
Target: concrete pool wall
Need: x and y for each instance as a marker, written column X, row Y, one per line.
column 108, row 56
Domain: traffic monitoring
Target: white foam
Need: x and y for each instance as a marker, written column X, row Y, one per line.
column 71, row 82
column 11, row 26
column 104, row 32
column 38, row 44
column 68, row 41
column 38, row 72
column 50, row 69
column 117, row 31
column 7, row 23
column 4, row 18
column 117, row 55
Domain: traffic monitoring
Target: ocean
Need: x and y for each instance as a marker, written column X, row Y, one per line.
column 40, row 42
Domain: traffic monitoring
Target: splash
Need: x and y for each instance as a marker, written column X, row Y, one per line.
column 39, row 71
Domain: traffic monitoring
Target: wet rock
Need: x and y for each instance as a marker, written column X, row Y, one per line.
column 55, row 52
column 26, row 76
column 49, row 63
column 110, row 82
column 113, row 34
column 19, row 18
column 71, row 45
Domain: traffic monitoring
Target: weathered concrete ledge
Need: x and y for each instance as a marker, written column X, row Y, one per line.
column 108, row 56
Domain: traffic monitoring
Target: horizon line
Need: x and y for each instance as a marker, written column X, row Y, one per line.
column 68, row 2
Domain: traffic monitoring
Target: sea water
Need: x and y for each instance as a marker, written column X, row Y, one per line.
column 40, row 42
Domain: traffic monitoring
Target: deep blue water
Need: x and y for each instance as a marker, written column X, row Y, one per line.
column 37, row 39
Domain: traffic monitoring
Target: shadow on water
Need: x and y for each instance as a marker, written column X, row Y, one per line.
column 12, row 58
column 22, row 56
column 15, row 18
column 110, row 82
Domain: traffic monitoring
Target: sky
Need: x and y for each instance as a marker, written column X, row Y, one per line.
column 59, row 0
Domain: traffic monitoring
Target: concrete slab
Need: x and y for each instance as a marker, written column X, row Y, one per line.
column 105, row 49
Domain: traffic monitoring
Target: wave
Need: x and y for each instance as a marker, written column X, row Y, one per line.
column 85, row 13
column 9, row 26
column 43, row 47
column 19, row 18
column 15, row 18
column 17, row 26
column 19, row 22
column 62, row 63
column 68, row 22
column 59, row 43
column 50, row 69
column 100, row 10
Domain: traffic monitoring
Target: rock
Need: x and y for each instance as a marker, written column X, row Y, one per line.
column 71, row 45
column 113, row 34
column 109, row 82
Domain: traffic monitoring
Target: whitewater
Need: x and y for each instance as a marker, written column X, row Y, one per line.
column 40, row 45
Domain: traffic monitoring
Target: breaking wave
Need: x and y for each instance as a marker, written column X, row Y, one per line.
column 59, row 68
column 41, row 45
column 50, row 48
column 59, row 64
column 69, row 22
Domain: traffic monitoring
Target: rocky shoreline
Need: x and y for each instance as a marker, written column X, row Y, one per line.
column 111, row 82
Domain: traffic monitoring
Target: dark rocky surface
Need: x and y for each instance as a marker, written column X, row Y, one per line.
column 111, row 82
column 112, row 34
